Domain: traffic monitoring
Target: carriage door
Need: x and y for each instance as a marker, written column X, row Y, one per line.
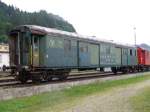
column 84, row 59
column 124, row 56
column 118, row 56
column 35, row 51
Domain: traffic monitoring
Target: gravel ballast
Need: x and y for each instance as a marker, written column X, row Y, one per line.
column 17, row 92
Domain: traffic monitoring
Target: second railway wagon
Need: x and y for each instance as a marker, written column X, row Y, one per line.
column 143, row 58
column 40, row 53
column 126, row 56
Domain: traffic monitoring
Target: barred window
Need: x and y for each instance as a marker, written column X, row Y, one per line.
column 130, row 52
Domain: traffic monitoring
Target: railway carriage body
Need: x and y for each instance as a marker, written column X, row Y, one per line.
column 60, row 52
column 126, row 58
column 147, row 58
column 107, row 55
column 88, row 54
column 40, row 53
column 124, row 53
column 143, row 58
column 128, row 55
column 132, row 56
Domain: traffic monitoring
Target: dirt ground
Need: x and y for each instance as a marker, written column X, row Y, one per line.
column 116, row 100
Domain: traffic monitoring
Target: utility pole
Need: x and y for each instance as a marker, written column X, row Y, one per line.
column 134, row 35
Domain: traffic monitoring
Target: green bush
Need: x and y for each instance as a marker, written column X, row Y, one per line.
column 3, row 39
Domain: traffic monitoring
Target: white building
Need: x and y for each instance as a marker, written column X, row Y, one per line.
column 4, row 55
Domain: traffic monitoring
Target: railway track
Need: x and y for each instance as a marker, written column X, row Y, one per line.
column 15, row 89
column 10, row 82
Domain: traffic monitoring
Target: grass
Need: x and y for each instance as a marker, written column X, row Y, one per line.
column 59, row 100
column 141, row 102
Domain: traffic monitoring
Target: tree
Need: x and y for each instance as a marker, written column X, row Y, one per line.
column 11, row 17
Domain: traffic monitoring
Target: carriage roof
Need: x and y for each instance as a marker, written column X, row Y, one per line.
column 48, row 31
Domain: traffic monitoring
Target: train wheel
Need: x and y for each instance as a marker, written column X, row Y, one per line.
column 63, row 76
column 37, row 78
column 124, row 71
column 23, row 77
column 12, row 72
column 47, row 76
column 4, row 68
column 114, row 70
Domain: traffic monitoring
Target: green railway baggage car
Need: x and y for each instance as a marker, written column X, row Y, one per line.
column 40, row 53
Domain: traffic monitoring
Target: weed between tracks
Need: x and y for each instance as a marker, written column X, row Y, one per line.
column 60, row 100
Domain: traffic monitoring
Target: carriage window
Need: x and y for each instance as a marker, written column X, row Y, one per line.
column 67, row 45
column 51, row 43
column 84, row 48
column 130, row 52
column 36, row 44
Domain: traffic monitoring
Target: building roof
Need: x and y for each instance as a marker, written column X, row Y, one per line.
column 4, row 48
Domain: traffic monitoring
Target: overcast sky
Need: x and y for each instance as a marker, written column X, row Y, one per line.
column 109, row 19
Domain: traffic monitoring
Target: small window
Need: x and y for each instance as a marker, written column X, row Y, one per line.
column 51, row 43
column 130, row 52
column 36, row 44
column 84, row 49
column 67, row 45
